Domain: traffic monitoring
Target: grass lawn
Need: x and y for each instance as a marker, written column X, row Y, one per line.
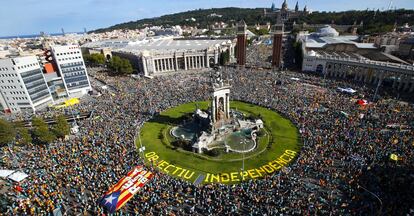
column 280, row 135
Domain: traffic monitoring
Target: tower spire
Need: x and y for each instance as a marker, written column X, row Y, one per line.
column 284, row 5
column 297, row 6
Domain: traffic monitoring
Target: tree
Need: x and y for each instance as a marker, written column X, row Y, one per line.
column 95, row 58
column 7, row 132
column 24, row 136
column 98, row 58
column 61, row 128
column 224, row 57
column 297, row 46
column 120, row 65
column 41, row 131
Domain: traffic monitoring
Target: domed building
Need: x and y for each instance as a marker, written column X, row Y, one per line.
column 327, row 31
column 284, row 14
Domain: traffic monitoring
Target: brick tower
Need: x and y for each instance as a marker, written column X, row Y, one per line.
column 241, row 43
column 277, row 31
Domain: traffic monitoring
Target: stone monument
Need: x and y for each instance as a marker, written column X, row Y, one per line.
column 220, row 105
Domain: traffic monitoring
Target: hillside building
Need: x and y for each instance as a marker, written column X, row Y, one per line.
column 284, row 14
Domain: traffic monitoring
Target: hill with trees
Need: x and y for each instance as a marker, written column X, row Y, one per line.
column 201, row 16
column 374, row 21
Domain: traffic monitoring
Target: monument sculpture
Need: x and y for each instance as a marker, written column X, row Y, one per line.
column 219, row 126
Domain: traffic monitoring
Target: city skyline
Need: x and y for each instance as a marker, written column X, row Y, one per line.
column 75, row 15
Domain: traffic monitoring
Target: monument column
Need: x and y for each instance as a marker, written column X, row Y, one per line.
column 144, row 65
column 185, row 61
column 202, row 62
column 175, row 62
column 160, row 65
column 166, row 64
column 227, row 100
column 153, row 65
column 206, row 59
column 213, row 109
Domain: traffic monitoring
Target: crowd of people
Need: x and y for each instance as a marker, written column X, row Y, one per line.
column 260, row 54
column 343, row 168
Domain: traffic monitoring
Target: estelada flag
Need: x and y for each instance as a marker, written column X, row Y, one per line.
column 18, row 188
column 119, row 194
column 362, row 102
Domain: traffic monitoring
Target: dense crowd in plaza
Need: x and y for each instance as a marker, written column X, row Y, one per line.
column 344, row 167
column 260, row 54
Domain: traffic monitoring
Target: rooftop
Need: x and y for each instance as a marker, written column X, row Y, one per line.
column 319, row 42
column 158, row 44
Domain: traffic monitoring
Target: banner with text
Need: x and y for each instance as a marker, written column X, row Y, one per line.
column 124, row 190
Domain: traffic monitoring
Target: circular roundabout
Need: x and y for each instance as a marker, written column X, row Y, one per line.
column 231, row 160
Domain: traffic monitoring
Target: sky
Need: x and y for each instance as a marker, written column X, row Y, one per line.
column 21, row 17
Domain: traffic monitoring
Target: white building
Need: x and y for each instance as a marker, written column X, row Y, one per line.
column 326, row 42
column 159, row 55
column 72, row 69
column 22, row 85
column 345, row 57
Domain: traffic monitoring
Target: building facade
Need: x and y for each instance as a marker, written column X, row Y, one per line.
column 160, row 55
column 332, row 55
column 284, row 14
column 22, row 85
column 400, row 76
column 158, row 63
column 72, row 69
